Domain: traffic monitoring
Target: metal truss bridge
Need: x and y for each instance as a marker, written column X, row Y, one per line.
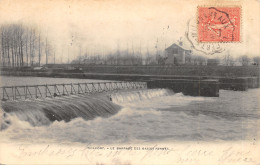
column 11, row 93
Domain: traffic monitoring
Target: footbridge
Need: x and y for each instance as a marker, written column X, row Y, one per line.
column 12, row 93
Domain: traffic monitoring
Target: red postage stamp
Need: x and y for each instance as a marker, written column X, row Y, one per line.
column 219, row 24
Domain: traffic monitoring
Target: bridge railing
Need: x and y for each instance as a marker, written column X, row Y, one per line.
column 54, row 90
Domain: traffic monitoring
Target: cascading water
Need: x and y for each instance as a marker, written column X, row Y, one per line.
column 132, row 116
column 126, row 97
column 44, row 112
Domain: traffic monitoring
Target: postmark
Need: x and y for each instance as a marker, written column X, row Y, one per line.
column 207, row 48
column 219, row 24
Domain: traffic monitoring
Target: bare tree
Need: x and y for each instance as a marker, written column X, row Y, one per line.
column 244, row 60
column 2, row 47
column 39, row 49
column 228, row 60
column 256, row 60
column 26, row 47
column 46, row 50
column 49, row 50
column 18, row 41
column 32, row 38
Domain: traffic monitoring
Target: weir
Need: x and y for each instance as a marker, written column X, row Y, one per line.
column 206, row 88
column 40, row 112
column 194, row 86
column 236, row 83
column 55, row 90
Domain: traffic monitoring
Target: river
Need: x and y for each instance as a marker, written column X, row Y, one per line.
column 132, row 116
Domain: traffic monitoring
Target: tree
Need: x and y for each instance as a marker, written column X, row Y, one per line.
column 244, row 60
column 32, row 40
column 17, row 42
column 39, row 49
column 47, row 50
column 256, row 60
column 228, row 60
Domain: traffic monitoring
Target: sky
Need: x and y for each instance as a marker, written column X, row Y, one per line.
column 104, row 26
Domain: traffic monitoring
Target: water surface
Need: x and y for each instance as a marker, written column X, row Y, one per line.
column 143, row 116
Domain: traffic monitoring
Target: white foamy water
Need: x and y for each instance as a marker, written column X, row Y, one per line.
column 143, row 116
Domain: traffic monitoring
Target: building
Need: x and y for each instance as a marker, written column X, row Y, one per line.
column 176, row 54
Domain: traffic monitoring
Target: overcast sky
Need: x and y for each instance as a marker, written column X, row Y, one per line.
column 108, row 24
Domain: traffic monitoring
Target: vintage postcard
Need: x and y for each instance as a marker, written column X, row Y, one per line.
column 130, row 82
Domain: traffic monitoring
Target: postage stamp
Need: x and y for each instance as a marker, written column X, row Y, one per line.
column 219, row 24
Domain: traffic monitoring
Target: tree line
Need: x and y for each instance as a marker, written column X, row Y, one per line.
column 23, row 46
column 124, row 58
column 117, row 58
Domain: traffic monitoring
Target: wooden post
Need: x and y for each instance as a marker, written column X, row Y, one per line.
column 25, row 92
column 13, row 92
column 46, row 90
column 24, row 89
column 3, row 93
column 36, row 92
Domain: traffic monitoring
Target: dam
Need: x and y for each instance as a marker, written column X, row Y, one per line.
column 237, row 83
column 188, row 85
column 141, row 114
column 42, row 104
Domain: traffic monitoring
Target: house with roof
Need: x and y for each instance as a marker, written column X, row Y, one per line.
column 176, row 54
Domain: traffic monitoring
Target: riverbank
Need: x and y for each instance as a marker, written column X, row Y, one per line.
column 232, row 83
column 183, row 70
